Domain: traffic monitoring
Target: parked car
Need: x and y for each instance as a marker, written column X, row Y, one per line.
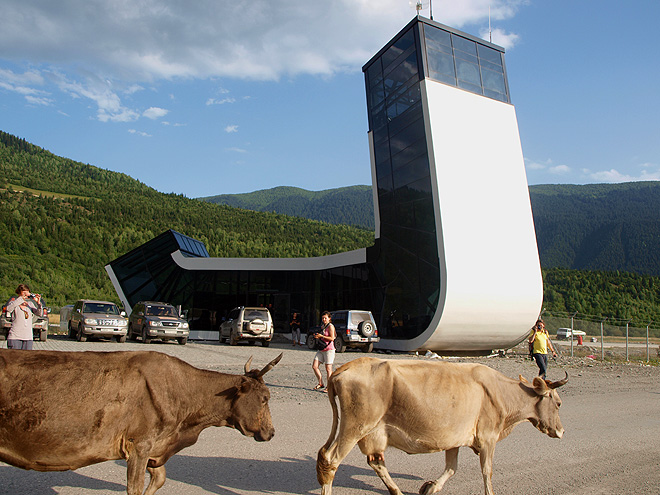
column 157, row 320
column 565, row 333
column 39, row 320
column 355, row 328
column 97, row 319
column 249, row 324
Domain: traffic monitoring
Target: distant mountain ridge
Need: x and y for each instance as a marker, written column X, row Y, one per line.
column 605, row 227
column 351, row 205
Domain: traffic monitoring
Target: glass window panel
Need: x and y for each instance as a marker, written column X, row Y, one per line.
column 437, row 36
column 407, row 99
column 464, row 45
column 472, row 88
column 376, row 94
column 401, row 74
column 383, row 168
column 424, row 213
column 490, row 55
column 378, row 117
column 406, row 218
column 493, row 80
column 441, row 63
column 385, row 184
column 382, row 151
column 468, row 72
column 443, row 78
column 496, row 96
column 408, row 135
column 415, row 190
column 405, row 119
column 401, row 45
column 375, row 72
column 380, row 133
column 410, row 153
column 489, row 66
column 412, row 171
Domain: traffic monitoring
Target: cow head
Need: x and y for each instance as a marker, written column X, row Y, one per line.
column 250, row 413
column 545, row 416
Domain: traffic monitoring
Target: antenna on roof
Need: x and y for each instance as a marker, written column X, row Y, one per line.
column 418, row 5
column 490, row 32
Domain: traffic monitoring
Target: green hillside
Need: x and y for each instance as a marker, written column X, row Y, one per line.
column 343, row 206
column 62, row 221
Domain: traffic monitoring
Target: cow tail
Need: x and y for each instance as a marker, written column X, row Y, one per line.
column 332, row 397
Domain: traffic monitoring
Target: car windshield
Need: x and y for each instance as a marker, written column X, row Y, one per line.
column 161, row 311
column 106, row 308
column 253, row 314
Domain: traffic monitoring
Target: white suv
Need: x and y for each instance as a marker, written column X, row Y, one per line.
column 354, row 327
column 250, row 324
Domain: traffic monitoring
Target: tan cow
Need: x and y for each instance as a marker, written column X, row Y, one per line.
column 421, row 407
column 66, row 410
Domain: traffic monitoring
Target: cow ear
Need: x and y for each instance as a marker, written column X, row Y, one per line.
column 523, row 380
column 245, row 386
column 228, row 393
column 540, row 387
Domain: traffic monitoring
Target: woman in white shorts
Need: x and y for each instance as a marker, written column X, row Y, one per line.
column 326, row 355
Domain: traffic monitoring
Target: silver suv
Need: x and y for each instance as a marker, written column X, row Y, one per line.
column 98, row 319
column 157, row 320
column 354, row 327
column 39, row 320
column 250, row 324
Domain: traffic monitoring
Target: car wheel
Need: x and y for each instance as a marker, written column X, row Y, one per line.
column 310, row 341
column 182, row 340
column 265, row 343
column 145, row 338
column 72, row 334
column 366, row 328
column 81, row 335
column 340, row 345
column 368, row 348
column 121, row 338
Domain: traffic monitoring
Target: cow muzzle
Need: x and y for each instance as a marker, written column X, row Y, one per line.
column 264, row 435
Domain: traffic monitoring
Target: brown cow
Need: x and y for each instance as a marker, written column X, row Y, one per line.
column 66, row 410
column 421, row 407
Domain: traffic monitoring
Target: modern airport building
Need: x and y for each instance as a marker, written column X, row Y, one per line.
column 454, row 265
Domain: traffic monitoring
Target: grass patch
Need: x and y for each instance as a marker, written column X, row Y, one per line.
column 47, row 194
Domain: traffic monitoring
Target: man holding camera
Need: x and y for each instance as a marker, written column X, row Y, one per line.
column 22, row 308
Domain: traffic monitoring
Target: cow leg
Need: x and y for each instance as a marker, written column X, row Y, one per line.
column 136, row 466
column 158, row 475
column 328, row 461
column 451, row 464
column 486, row 460
column 377, row 463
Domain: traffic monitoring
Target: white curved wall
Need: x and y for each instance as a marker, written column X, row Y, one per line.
column 492, row 289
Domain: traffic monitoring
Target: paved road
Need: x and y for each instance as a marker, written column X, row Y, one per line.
column 611, row 446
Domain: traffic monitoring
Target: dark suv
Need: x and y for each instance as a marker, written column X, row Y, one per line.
column 39, row 320
column 354, row 327
column 157, row 320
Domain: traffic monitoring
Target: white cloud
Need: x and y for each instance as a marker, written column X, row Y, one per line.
column 213, row 101
column 236, row 150
column 139, row 133
column 559, row 169
column 154, row 113
column 231, row 128
column 614, row 175
column 500, row 37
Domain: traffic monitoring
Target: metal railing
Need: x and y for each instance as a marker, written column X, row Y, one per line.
column 612, row 331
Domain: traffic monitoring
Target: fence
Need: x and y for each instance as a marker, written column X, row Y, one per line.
column 610, row 331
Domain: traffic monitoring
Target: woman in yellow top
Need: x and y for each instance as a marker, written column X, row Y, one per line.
column 540, row 340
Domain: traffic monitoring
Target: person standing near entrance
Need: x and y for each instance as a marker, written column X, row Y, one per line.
column 327, row 354
column 22, row 308
column 540, row 341
column 295, row 329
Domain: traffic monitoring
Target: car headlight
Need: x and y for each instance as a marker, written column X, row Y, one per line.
column 91, row 321
column 155, row 323
column 184, row 324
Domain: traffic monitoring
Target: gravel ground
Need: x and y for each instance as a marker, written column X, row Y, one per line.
column 610, row 413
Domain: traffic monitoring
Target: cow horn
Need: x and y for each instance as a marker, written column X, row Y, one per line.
column 560, row 382
column 247, row 365
column 270, row 365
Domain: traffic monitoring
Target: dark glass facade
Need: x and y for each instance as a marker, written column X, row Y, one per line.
column 400, row 279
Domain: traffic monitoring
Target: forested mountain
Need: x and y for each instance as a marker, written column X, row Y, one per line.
column 605, row 227
column 62, row 221
column 352, row 205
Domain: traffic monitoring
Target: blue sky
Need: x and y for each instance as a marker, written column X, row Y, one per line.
column 213, row 97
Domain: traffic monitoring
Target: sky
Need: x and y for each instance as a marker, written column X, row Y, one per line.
column 225, row 96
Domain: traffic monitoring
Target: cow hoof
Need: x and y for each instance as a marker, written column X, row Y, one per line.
column 428, row 488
